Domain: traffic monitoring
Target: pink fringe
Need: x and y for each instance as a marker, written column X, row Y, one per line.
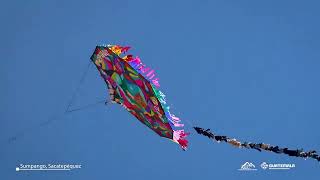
column 146, row 71
column 175, row 120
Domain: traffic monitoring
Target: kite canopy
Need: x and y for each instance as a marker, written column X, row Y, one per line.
column 135, row 87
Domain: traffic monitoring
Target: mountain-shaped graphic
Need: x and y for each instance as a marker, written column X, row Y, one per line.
column 248, row 166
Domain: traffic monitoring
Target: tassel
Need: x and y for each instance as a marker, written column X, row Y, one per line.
column 179, row 136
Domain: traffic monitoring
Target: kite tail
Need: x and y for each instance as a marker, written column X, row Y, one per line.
column 258, row 146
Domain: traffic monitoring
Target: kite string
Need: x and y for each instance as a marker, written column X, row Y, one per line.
column 190, row 123
column 78, row 87
column 56, row 116
column 87, row 106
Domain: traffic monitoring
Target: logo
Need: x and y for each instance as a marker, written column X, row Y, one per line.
column 264, row 165
column 276, row 166
column 248, row 166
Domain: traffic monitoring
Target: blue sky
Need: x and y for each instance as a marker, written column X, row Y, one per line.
column 247, row 69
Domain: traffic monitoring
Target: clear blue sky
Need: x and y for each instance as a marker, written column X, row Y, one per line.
column 247, row 69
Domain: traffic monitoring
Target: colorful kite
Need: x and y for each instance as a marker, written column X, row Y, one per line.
column 135, row 87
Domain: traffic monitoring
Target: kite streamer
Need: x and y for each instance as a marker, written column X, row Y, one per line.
column 258, row 146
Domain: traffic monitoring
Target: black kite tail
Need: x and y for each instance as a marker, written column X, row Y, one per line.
column 258, row 146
